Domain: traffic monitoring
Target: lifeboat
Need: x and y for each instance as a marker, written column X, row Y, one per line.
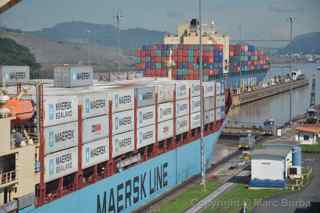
column 21, row 109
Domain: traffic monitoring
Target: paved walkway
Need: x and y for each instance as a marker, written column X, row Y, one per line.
column 211, row 197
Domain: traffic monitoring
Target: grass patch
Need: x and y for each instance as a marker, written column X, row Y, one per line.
column 185, row 200
column 313, row 148
column 232, row 200
column 259, row 146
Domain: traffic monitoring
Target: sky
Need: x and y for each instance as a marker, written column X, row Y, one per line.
column 259, row 19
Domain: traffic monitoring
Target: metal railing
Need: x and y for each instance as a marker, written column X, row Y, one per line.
column 7, row 177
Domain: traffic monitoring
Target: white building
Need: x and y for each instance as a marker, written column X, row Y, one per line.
column 308, row 134
column 270, row 166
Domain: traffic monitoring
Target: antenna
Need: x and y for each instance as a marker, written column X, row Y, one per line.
column 117, row 20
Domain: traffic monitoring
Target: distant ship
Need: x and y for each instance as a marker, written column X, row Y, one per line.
column 240, row 65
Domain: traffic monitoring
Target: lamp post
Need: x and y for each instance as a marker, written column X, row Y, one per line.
column 291, row 21
column 202, row 154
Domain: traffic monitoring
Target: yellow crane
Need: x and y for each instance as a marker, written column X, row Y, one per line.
column 6, row 4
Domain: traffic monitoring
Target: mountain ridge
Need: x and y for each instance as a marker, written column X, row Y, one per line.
column 100, row 34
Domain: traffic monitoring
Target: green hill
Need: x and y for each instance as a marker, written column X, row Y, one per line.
column 12, row 53
column 102, row 34
column 308, row 43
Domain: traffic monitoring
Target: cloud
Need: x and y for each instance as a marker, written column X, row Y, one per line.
column 285, row 7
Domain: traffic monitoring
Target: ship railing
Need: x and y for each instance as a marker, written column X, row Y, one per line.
column 7, row 177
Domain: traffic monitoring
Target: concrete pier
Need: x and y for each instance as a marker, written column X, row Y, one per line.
column 261, row 93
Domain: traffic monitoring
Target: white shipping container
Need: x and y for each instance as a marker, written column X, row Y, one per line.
column 182, row 90
column 218, row 88
column 209, row 88
column 165, row 92
column 14, row 74
column 146, row 136
column 146, row 116
column 145, row 96
column 222, row 112
column 209, row 116
column 218, row 114
column 194, row 87
column 222, row 88
column 195, row 120
column 73, row 76
column 60, row 109
column 95, row 152
column 182, row 107
column 116, row 76
column 209, row 103
column 220, row 101
column 165, row 111
column 122, row 143
column 165, row 130
column 94, row 104
column 95, row 128
column 182, row 124
column 60, row 164
column 195, row 104
column 60, row 137
column 122, row 122
column 122, row 99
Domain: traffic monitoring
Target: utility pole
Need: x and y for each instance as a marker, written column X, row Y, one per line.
column 202, row 154
column 291, row 21
column 117, row 19
column 240, row 34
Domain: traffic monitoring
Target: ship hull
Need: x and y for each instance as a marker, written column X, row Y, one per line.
column 252, row 78
column 138, row 185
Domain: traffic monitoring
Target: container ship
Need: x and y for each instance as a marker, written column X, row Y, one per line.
column 73, row 144
column 240, row 65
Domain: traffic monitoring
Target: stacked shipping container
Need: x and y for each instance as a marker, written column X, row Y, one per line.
column 142, row 114
column 183, row 61
column 245, row 58
column 122, row 121
column 61, row 136
column 146, row 116
column 95, row 128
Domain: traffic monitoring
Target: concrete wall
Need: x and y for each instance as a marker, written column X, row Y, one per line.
column 267, row 169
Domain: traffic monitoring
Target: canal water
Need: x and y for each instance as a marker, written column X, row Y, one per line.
column 277, row 107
